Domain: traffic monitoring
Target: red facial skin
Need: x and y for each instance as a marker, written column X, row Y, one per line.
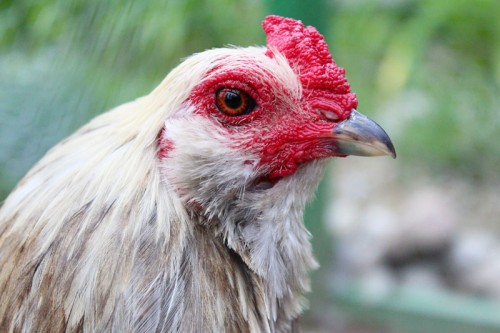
column 284, row 131
column 164, row 145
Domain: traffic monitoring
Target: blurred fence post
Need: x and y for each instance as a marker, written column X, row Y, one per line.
column 311, row 12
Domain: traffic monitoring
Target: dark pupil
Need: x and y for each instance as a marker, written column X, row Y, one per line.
column 232, row 100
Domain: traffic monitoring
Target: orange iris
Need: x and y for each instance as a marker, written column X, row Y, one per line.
column 234, row 102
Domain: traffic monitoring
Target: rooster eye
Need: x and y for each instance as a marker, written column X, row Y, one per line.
column 233, row 102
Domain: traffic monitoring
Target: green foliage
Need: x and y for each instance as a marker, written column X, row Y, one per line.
column 445, row 53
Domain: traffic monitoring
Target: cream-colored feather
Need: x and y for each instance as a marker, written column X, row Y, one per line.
column 98, row 238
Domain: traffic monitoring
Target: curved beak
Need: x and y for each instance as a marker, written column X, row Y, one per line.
column 361, row 136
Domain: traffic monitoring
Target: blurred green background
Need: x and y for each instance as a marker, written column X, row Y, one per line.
column 428, row 71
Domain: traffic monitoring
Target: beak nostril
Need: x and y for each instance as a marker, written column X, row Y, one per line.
column 329, row 115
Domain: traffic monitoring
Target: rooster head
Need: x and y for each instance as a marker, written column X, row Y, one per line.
column 256, row 115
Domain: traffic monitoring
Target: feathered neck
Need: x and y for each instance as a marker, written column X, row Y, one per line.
column 263, row 226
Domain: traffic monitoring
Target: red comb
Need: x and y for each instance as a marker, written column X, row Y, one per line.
column 308, row 54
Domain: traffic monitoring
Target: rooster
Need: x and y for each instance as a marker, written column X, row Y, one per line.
column 182, row 211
